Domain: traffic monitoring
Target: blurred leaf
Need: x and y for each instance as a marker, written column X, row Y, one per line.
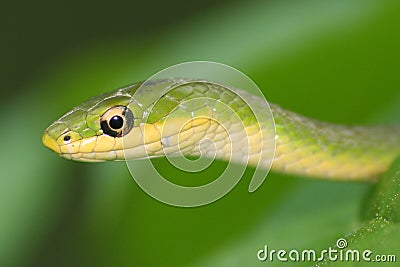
column 384, row 201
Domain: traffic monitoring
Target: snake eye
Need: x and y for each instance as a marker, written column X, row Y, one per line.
column 117, row 121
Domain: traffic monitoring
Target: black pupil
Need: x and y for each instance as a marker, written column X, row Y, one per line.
column 116, row 122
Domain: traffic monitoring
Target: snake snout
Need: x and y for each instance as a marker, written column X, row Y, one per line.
column 50, row 143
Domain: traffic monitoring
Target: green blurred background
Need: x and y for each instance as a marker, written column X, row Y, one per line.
column 333, row 60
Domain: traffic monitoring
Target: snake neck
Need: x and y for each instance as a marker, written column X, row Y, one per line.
column 309, row 147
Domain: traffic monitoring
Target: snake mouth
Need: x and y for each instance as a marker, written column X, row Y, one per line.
column 82, row 157
column 50, row 143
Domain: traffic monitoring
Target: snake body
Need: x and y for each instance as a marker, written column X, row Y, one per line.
column 165, row 117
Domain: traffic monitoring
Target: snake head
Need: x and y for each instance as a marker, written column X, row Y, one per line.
column 126, row 121
column 93, row 131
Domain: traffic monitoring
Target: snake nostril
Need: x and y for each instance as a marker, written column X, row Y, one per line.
column 67, row 138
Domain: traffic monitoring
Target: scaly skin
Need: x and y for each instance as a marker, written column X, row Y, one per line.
column 174, row 115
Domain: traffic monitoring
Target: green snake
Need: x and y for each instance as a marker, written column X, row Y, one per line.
column 127, row 124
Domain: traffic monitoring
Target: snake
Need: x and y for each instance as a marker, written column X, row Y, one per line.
column 157, row 118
